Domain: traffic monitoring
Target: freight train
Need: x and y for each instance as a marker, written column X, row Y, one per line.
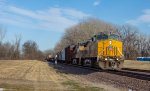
column 49, row 58
column 102, row 50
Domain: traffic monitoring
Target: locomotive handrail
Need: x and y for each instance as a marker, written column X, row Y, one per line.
column 101, row 53
column 120, row 52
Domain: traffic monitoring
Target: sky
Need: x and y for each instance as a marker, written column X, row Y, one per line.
column 45, row 21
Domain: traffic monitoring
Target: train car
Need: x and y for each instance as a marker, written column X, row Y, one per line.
column 66, row 54
column 143, row 58
column 49, row 58
column 61, row 56
column 102, row 50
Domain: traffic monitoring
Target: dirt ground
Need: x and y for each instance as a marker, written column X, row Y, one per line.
column 32, row 75
column 133, row 64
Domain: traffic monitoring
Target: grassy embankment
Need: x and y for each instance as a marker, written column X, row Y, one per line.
column 133, row 64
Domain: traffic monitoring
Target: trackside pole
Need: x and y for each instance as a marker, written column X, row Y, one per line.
column 56, row 60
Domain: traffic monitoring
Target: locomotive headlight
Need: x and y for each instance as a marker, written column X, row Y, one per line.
column 110, row 42
column 117, row 59
column 105, row 59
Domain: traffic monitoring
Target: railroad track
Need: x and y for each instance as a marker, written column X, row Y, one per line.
column 137, row 75
column 137, row 70
column 124, row 72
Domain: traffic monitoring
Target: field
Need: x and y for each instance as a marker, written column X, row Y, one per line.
column 32, row 75
column 142, row 65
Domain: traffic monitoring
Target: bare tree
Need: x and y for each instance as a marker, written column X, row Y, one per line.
column 31, row 51
column 2, row 34
column 12, row 50
column 130, row 40
column 148, row 46
column 83, row 31
column 135, row 43
column 16, row 54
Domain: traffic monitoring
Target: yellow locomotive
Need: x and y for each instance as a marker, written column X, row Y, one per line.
column 110, row 53
column 102, row 50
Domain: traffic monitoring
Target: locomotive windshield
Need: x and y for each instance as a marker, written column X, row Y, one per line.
column 100, row 37
column 103, row 36
column 114, row 36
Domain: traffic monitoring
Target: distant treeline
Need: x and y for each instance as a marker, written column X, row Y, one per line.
column 135, row 44
column 15, row 51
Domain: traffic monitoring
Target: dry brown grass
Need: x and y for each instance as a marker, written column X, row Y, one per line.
column 39, row 73
column 143, row 65
column 32, row 75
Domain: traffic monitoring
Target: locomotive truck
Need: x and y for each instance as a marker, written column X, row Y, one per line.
column 102, row 50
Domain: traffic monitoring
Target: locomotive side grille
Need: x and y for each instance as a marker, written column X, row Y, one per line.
column 114, row 50
column 106, row 50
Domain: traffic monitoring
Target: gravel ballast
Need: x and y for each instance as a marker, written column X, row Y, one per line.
column 104, row 77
